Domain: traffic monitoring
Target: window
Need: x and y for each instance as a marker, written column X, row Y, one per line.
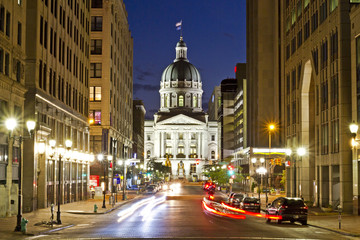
column 148, row 137
column 18, row 71
column 333, row 4
column 96, row 4
column 166, row 100
column 41, row 30
column 335, row 136
column 95, row 94
column 95, row 117
column 45, row 34
column 2, row 18
column 306, row 3
column 334, row 46
column 324, row 96
column 294, row 112
column 315, row 55
column 168, row 136
column 299, row 38
column 195, row 100
column 306, row 30
column 212, row 137
column 334, row 90
column 288, row 84
column 314, row 21
column 181, row 101
column 96, row 46
column 299, row 8
column 192, row 168
column 96, row 23
column 287, row 52
column 19, row 34
column 148, row 154
column 95, row 70
column 212, row 154
column 324, row 139
column 1, row 60
column 181, row 149
column 293, row 16
column 181, row 136
column 293, row 79
column 324, row 55
column 168, row 149
column 293, row 45
column 7, row 63
column 19, row 2
column 323, row 11
column 8, row 24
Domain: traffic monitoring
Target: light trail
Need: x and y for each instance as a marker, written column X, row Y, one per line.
column 212, row 210
column 275, row 217
column 127, row 212
column 148, row 210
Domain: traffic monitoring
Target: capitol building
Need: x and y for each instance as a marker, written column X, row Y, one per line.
column 181, row 129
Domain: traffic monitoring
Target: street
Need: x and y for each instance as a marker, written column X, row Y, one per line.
column 180, row 215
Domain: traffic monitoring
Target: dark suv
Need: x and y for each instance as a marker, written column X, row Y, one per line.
column 290, row 209
column 250, row 204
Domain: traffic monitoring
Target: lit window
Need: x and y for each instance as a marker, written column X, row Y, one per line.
column 195, row 101
column 181, row 149
column 181, row 101
column 95, row 117
column 95, row 94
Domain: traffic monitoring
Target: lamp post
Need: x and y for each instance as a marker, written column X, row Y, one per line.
column 355, row 168
column 61, row 154
column 300, row 152
column 100, row 157
column 262, row 171
column 271, row 128
column 124, row 178
column 11, row 124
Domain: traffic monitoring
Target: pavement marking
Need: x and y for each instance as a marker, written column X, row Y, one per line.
column 38, row 236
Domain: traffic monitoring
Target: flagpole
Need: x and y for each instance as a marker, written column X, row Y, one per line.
column 181, row 29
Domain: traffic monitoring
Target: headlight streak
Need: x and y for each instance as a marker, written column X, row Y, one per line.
column 212, row 210
column 147, row 211
column 275, row 217
column 127, row 212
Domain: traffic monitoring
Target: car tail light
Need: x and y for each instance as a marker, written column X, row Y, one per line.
column 211, row 197
column 284, row 206
column 306, row 207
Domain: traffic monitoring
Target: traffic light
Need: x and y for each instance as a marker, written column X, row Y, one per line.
column 272, row 161
column 197, row 161
column 230, row 170
column 278, row 161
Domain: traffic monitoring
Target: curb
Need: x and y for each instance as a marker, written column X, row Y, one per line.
column 336, row 231
column 107, row 211
column 56, row 229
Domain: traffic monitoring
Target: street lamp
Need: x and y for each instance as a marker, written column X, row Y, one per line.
column 262, row 171
column 11, row 124
column 100, row 157
column 271, row 128
column 61, row 153
column 355, row 168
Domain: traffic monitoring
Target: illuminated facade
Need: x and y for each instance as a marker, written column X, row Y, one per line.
column 181, row 129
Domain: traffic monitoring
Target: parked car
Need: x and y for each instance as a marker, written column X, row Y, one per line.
column 290, row 209
column 250, row 204
column 236, row 198
column 155, row 187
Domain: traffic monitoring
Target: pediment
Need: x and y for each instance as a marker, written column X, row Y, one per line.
column 181, row 119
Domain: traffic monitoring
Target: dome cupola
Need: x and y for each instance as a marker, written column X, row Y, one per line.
column 181, row 85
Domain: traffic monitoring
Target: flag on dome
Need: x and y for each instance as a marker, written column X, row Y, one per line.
column 178, row 25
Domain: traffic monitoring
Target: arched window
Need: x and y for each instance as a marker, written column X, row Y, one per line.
column 181, row 101
column 166, row 100
column 212, row 154
column 195, row 100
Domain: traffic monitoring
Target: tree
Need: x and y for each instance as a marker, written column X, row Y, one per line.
column 283, row 179
column 220, row 175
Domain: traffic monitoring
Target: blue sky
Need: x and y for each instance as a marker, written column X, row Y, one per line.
column 213, row 30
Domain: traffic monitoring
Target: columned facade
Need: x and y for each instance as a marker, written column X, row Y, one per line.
column 181, row 130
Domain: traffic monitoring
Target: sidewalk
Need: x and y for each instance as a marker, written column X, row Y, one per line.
column 71, row 214
column 350, row 224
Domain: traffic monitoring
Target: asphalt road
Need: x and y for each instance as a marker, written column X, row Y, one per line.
column 180, row 216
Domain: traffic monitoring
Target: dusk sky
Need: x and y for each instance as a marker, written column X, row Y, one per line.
column 213, row 30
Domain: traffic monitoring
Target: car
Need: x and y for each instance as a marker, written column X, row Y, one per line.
column 155, row 187
column 290, row 209
column 150, row 189
column 236, row 198
column 250, row 204
column 208, row 185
